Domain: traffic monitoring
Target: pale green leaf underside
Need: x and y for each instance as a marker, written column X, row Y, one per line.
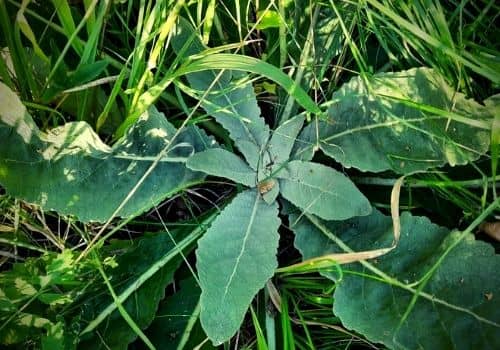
column 222, row 163
column 323, row 191
column 69, row 169
column 173, row 322
column 468, row 318
column 235, row 258
column 231, row 99
column 283, row 138
column 384, row 129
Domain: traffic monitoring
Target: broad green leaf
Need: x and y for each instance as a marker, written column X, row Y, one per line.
column 323, row 191
column 61, row 270
column 69, row 169
column 235, row 258
column 57, row 339
column 283, row 139
column 23, row 327
column 307, row 142
column 176, row 324
column 457, row 307
column 405, row 122
column 142, row 303
column 53, row 299
column 222, row 163
column 174, row 316
column 270, row 195
column 231, row 99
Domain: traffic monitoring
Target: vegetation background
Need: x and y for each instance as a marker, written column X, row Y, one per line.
column 118, row 269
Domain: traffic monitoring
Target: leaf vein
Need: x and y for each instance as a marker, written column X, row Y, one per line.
column 243, row 246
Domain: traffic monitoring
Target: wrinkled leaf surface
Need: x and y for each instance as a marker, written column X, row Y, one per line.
column 235, row 258
column 321, row 190
column 69, row 169
column 405, row 121
column 457, row 308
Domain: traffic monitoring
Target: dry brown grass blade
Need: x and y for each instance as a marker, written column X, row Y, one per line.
column 329, row 260
column 6, row 228
column 396, row 224
column 274, row 295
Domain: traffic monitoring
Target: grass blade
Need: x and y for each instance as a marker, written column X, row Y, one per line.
column 253, row 65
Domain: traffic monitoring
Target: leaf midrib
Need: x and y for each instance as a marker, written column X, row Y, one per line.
column 243, row 246
column 232, row 106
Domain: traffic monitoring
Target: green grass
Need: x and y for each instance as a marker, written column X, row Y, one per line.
column 106, row 62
